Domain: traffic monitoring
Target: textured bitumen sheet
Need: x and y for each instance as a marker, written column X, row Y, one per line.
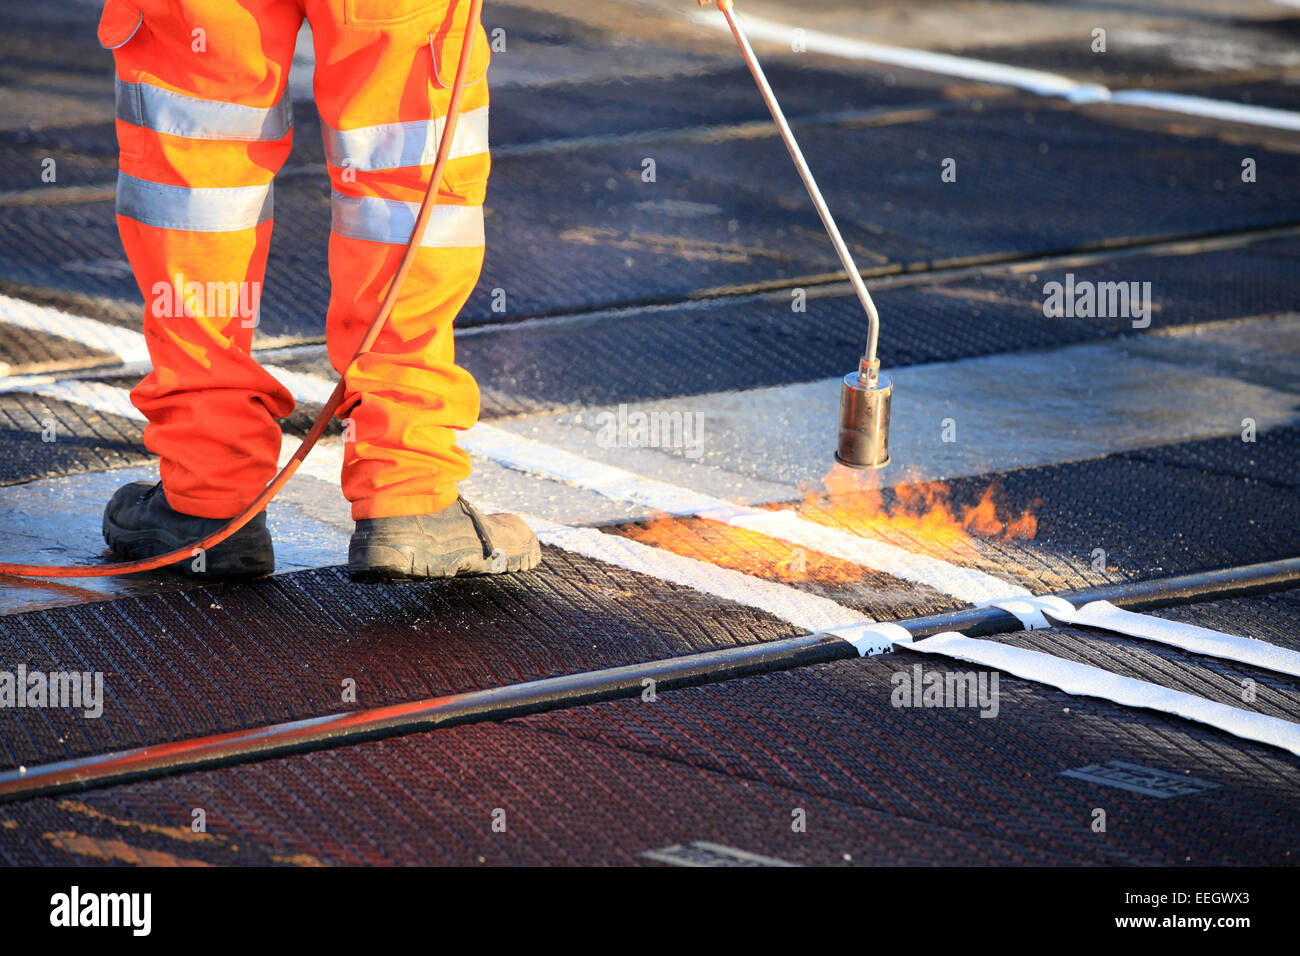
column 582, row 230
column 434, row 800
column 23, row 351
column 224, row 657
column 85, row 156
column 44, row 437
column 1155, row 512
column 724, row 344
column 715, row 98
column 628, row 240
column 737, row 764
column 735, row 342
column 574, row 227
column 731, row 343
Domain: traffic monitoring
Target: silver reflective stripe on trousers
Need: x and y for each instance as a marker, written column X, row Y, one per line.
column 393, row 145
column 391, row 221
column 223, row 209
column 163, row 111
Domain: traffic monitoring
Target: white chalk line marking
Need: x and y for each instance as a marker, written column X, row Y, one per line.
column 1039, row 82
column 805, row 611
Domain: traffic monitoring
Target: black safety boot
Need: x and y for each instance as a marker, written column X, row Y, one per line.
column 455, row 540
column 139, row 523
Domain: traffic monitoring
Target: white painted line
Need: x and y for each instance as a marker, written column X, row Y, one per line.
column 105, row 399
column 1215, row 109
column 129, row 345
column 524, row 454
column 1034, row 81
column 800, row 608
column 1087, row 681
column 873, row 638
column 1189, row 637
column 815, row 41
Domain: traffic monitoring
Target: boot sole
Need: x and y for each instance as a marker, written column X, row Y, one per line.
column 233, row 560
column 389, row 559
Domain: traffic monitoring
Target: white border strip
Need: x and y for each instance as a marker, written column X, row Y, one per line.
column 1034, row 81
column 815, row 41
column 800, row 608
column 1215, row 109
column 1189, row 637
column 128, row 345
column 1083, row 680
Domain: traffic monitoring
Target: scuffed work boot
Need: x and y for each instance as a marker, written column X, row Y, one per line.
column 139, row 523
column 455, row 540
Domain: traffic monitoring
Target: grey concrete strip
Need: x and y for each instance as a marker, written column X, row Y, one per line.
column 57, row 521
column 961, row 418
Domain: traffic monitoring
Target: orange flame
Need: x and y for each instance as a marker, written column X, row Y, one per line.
column 919, row 516
column 743, row 550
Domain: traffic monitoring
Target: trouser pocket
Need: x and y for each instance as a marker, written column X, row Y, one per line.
column 384, row 13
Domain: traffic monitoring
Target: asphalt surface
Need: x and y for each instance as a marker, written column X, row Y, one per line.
column 1128, row 445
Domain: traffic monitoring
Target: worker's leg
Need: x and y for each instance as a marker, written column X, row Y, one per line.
column 384, row 69
column 203, row 123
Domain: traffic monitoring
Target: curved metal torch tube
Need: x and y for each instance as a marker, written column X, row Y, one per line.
column 870, row 366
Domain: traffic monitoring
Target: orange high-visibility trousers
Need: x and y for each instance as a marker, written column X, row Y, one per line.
column 204, row 123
